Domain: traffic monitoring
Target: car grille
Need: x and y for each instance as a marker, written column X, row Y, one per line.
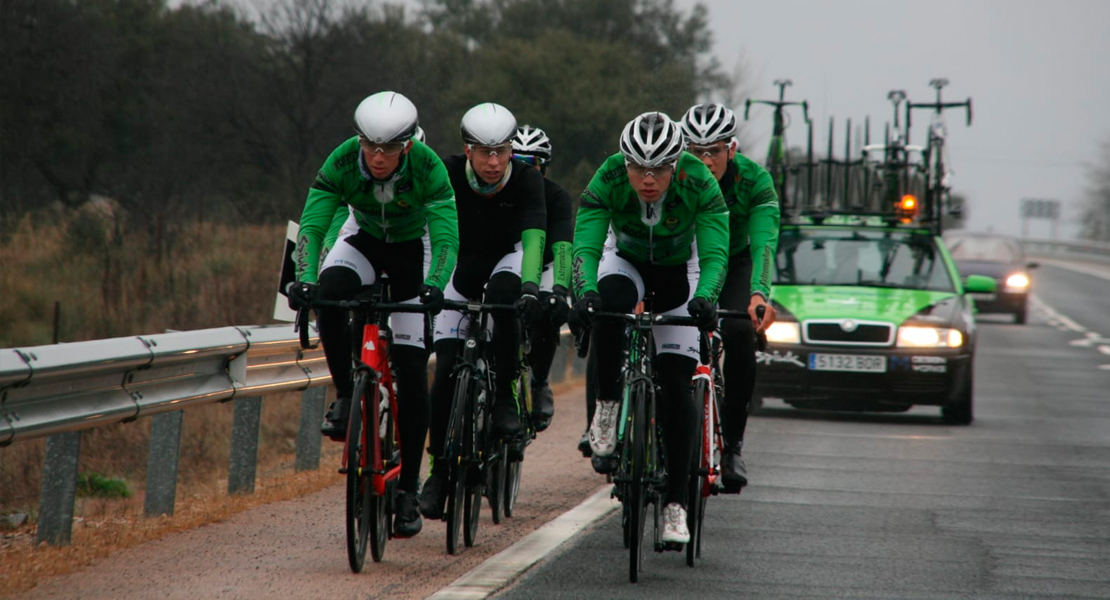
column 848, row 332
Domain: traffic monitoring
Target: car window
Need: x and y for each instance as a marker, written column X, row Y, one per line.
column 989, row 249
column 861, row 258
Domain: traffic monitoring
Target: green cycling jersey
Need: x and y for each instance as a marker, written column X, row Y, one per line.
column 753, row 217
column 418, row 198
column 662, row 233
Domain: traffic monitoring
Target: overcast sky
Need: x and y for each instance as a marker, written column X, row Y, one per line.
column 1038, row 73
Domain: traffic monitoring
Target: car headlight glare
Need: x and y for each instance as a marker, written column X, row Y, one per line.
column 1017, row 281
column 784, row 332
column 929, row 337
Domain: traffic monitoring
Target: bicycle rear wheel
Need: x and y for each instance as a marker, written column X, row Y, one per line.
column 495, row 486
column 638, row 487
column 478, row 447
column 455, row 449
column 512, row 485
column 359, row 499
column 380, row 436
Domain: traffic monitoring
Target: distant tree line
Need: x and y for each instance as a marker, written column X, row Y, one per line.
column 1096, row 215
column 198, row 112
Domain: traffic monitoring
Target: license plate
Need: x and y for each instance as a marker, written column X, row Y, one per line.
column 984, row 297
column 847, row 362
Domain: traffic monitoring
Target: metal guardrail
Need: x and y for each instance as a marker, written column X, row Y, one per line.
column 58, row 391
column 46, row 390
column 1076, row 248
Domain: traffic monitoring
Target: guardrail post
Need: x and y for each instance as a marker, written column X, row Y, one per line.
column 59, row 488
column 244, row 445
column 162, row 463
column 308, row 433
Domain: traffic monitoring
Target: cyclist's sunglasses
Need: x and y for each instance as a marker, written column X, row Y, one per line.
column 490, row 151
column 711, row 151
column 641, row 171
column 388, row 148
column 528, row 159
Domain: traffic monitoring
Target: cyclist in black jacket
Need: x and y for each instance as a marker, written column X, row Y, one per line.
column 531, row 145
column 502, row 218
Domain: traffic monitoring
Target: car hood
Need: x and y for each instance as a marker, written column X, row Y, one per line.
column 996, row 270
column 853, row 302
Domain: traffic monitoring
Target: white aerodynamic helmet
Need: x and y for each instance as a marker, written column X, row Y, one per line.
column 532, row 141
column 652, row 139
column 386, row 117
column 708, row 123
column 488, row 124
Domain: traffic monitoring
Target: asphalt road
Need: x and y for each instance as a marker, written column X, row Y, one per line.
column 1016, row 505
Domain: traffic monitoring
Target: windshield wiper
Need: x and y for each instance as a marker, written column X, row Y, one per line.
column 877, row 284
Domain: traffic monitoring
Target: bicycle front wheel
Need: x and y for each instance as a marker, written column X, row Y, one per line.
column 495, row 485
column 455, row 446
column 638, row 487
column 379, row 436
column 359, row 499
column 695, row 502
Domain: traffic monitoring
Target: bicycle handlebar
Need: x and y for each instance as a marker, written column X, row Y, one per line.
column 301, row 324
column 582, row 338
column 474, row 306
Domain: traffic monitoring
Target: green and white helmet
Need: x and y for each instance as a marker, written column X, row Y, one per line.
column 708, row 123
column 488, row 124
column 652, row 139
column 386, row 117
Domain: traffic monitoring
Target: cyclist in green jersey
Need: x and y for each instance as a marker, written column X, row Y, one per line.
column 532, row 146
column 407, row 228
column 663, row 206
column 753, row 218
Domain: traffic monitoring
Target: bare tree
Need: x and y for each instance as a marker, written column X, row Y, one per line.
column 1096, row 218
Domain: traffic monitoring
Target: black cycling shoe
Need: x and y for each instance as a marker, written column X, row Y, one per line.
column 506, row 421
column 543, row 405
column 605, row 464
column 335, row 422
column 433, row 496
column 584, row 445
column 406, row 520
column 734, row 474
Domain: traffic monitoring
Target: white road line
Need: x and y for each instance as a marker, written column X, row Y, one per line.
column 1090, row 339
column 1053, row 315
column 1092, row 270
column 505, row 566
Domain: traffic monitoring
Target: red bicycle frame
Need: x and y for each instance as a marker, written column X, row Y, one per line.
column 711, row 432
column 375, row 354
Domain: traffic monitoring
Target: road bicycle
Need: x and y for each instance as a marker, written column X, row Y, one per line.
column 474, row 457
column 372, row 449
column 709, row 388
column 935, row 155
column 778, row 154
column 640, row 478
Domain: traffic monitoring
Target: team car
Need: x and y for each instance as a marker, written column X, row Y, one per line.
column 872, row 317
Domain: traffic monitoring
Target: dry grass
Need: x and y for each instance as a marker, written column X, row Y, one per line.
column 102, row 526
column 113, row 282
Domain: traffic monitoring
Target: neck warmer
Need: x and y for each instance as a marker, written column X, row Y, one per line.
column 487, row 189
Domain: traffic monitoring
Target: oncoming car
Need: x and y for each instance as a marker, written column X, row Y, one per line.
column 873, row 316
column 1001, row 258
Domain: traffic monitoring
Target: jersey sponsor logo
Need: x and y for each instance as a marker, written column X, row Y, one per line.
column 345, row 161
column 765, row 197
column 614, row 175
column 671, row 223
column 405, row 187
column 672, row 346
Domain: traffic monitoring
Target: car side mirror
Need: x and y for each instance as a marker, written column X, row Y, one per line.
column 1032, row 265
column 980, row 284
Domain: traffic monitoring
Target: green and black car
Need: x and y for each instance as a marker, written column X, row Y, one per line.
column 872, row 316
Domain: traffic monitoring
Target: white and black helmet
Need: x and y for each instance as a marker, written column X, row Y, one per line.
column 386, row 117
column 652, row 139
column 532, row 141
column 488, row 124
column 708, row 123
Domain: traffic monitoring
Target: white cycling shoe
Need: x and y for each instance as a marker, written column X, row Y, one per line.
column 674, row 524
column 603, row 429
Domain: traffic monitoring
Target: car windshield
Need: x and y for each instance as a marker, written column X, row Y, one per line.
column 988, row 249
column 889, row 259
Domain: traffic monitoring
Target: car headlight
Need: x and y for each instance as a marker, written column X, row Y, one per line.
column 929, row 337
column 1017, row 282
column 784, row 332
